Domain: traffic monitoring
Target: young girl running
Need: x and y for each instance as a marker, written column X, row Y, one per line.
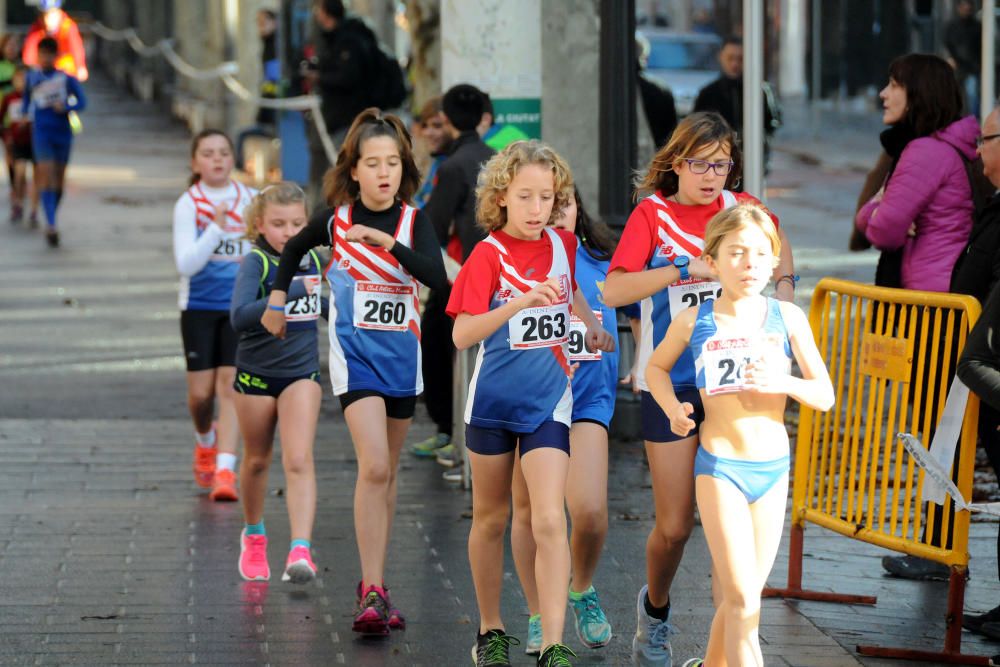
column 383, row 248
column 594, row 387
column 513, row 296
column 277, row 382
column 658, row 263
column 209, row 243
column 742, row 344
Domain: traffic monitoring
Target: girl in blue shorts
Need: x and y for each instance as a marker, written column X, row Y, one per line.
column 513, row 297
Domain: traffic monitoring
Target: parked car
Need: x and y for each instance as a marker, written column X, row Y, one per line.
column 685, row 61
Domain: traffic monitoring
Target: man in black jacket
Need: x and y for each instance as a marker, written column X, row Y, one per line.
column 452, row 210
column 344, row 66
column 725, row 94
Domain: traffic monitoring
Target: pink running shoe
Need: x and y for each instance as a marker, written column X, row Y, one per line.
column 396, row 619
column 299, row 568
column 253, row 557
column 373, row 613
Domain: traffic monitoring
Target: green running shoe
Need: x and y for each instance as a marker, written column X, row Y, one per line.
column 427, row 449
column 556, row 655
column 592, row 625
column 534, row 645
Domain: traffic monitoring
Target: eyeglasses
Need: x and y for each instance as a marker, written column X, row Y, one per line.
column 699, row 167
column 982, row 140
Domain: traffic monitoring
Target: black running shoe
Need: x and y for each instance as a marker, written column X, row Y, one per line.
column 974, row 622
column 493, row 649
column 913, row 567
column 556, row 655
column 52, row 237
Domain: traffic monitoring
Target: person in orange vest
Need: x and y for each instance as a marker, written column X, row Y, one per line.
column 53, row 22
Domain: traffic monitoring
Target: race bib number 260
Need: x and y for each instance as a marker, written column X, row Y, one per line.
column 383, row 306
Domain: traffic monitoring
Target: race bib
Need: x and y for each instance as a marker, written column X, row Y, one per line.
column 307, row 307
column 691, row 292
column 382, row 306
column 578, row 335
column 725, row 360
column 544, row 326
column 231, row 249
column 49, row 92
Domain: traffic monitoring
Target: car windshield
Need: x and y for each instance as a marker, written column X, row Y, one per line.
column 672, row 53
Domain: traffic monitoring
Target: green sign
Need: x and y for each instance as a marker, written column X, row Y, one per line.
column 523, row 113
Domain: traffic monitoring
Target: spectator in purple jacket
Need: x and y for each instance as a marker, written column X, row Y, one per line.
column 924, row 208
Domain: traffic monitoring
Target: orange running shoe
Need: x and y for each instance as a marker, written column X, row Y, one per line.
column 204, row 465
column 224, row 486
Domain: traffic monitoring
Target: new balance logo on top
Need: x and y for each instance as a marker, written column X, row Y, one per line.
column 344, row 264
column 504, row 294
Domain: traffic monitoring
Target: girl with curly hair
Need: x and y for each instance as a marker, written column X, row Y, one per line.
column 513, row 297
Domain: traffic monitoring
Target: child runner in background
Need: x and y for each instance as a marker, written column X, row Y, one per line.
column 513, row 297
column 742, row 344
column 209, row 243
column 10, row 60
column 277, row 382
column 595, row 383
column 49, row 96
column 383, row 248
column 17, row 140
column 658, row 263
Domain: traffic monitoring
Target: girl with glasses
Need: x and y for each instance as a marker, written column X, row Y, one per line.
column 658, row 262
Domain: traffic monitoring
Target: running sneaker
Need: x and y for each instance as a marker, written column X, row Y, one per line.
column 493, row 649
column 592, row 625
column 914, row 567
column 694, row 662
column 534, row 645
column 33, row 220
column 556, row 655
column 224, row 486
column 974, row 622
column 253, row 557
column 16, row 214
column 448, row 456
column 452, row 475
column 373, row 613
column 299, row 568
column 651, row 644
column 396, row 619
column 52, row 238
column 204, row 465
column 427, row 449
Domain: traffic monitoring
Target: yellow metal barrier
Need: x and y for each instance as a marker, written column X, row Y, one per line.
column 891, row 354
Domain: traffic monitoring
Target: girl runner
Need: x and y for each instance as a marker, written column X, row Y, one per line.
column 742, row 344
column 277, row 382
column 658, row 263
column 594, row 387
column 383, row 248
column 513, row 297
column 209, row 242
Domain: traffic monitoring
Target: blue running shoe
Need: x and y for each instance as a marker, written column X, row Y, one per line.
column 534, row 645
column 592, row 625
column 651, row 644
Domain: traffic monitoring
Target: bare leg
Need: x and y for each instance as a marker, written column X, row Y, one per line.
column 522, row 543
column 587, row 500
column 545, row 470
column 201, row 398
column 367, row 422
column 491, row 479
column 229, row 435
column 298, row 410
column 671, row 465
column 397, row 429
column 257, row 417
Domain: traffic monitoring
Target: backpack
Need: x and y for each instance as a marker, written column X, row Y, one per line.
column 387, row 89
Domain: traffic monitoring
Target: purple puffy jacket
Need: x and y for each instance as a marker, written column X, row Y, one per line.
column 929, row 188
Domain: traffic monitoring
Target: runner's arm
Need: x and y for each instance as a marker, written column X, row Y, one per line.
column 423, row 261
column 314, row 234
column 192, row 252
column 814, row 388
column 246, row 308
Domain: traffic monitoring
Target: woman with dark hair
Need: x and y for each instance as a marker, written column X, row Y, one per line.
column 383, row 249
column 924, row 208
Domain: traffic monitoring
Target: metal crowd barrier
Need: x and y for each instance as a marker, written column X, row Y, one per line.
column 891, row 354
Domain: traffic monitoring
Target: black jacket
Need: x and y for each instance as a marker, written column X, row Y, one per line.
column 658, row 105
column 453, row 200
column 725, row 96
column 978, row 267
column 345, row 61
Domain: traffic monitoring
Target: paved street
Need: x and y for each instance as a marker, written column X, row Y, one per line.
column 110, row 555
